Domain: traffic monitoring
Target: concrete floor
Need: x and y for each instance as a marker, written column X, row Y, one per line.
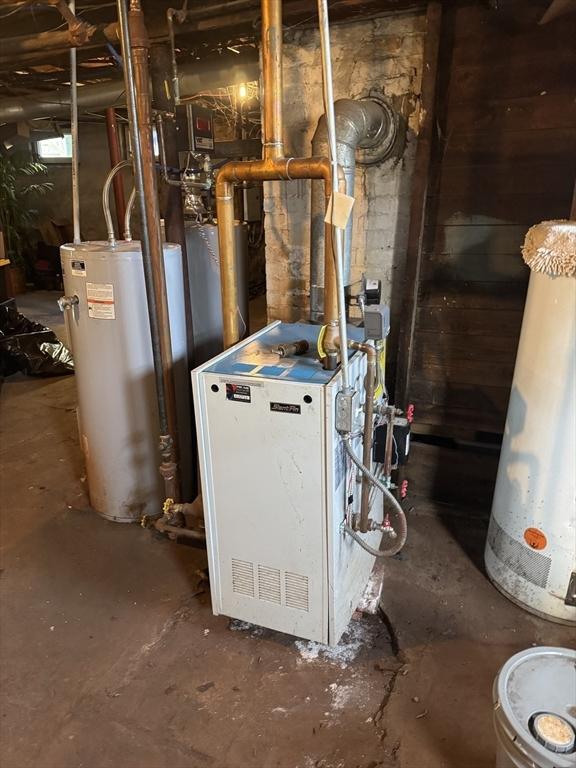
column 110, row 655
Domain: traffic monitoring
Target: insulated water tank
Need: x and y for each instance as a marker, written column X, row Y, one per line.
column 107, row 322
column 204, row 277
column 531, row 547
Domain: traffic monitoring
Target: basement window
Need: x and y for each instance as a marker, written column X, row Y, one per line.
column 55, row 150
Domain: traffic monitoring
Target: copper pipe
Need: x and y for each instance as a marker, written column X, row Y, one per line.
column 139, row 46
column 115, row 158
column 272, row 78
column 369, row 388
column 271, row 169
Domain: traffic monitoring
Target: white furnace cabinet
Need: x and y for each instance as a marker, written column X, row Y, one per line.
column 276, row 485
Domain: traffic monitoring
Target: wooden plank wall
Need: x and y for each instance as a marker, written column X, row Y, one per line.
column 505, row 158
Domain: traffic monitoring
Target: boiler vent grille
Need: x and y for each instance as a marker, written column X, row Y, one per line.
column 243, row 577
column 296, row 590
column 270, row 584
column 529, row 565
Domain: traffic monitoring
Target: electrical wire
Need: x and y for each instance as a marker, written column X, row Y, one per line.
column 13, row 11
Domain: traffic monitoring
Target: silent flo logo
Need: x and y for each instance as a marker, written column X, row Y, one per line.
column 285, row 407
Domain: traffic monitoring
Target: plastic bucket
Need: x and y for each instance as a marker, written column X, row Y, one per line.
column 534, row 710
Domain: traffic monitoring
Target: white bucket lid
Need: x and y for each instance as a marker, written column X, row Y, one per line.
column 535, row 703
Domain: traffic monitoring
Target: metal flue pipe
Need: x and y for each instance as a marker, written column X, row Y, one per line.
column 135, row 56
column 359, row 124
column 194, row 77
column 272, row 167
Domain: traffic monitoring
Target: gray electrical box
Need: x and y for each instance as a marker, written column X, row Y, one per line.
column 252, row 197
column 376, row 321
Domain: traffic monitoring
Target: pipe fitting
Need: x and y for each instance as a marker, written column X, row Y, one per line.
column 67, row 302
column 138, row 32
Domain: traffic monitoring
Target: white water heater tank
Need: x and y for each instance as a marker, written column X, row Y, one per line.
column 531, row 548
column 110, row 338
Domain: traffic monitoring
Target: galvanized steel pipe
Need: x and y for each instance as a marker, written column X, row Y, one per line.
column 135, row 54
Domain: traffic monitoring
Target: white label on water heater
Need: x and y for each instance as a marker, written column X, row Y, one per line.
column 100, row 297
column 78, row 268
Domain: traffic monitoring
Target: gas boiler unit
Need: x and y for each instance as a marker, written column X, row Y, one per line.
column 279, row 486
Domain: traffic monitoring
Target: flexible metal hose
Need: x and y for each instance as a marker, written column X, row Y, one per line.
column 106, row 198
column 128, row 216
column 400, row 528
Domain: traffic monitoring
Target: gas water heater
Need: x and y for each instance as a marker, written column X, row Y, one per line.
column 278, row 485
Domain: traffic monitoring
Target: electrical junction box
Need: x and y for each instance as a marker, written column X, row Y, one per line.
column 376, row 321
column 252, row 199
column 200, row 128
column 277, row 486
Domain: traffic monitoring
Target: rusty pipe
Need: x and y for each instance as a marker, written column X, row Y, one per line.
column 135, row 55
column 140, row 50
column 79, row 34
column 115, row 158
column 175, row 531
column 369, row 389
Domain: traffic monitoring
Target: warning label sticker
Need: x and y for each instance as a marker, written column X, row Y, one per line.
column 78, row 268
column 238, row 392
column 100, row 298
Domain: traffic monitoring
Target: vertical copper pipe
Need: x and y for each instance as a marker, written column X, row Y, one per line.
column 272, row 78
column 272, row 167
column 140, row 47
column 227, row 250
column 115, row 158
column 331, row 296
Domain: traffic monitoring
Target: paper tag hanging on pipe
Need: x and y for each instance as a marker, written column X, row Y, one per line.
column 339, row 209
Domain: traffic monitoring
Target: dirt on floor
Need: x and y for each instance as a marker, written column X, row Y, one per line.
column 111, row 657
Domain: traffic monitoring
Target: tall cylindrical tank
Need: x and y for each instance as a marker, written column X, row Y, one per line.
column 531, row 547
column 204, row 276
column 110, row 338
